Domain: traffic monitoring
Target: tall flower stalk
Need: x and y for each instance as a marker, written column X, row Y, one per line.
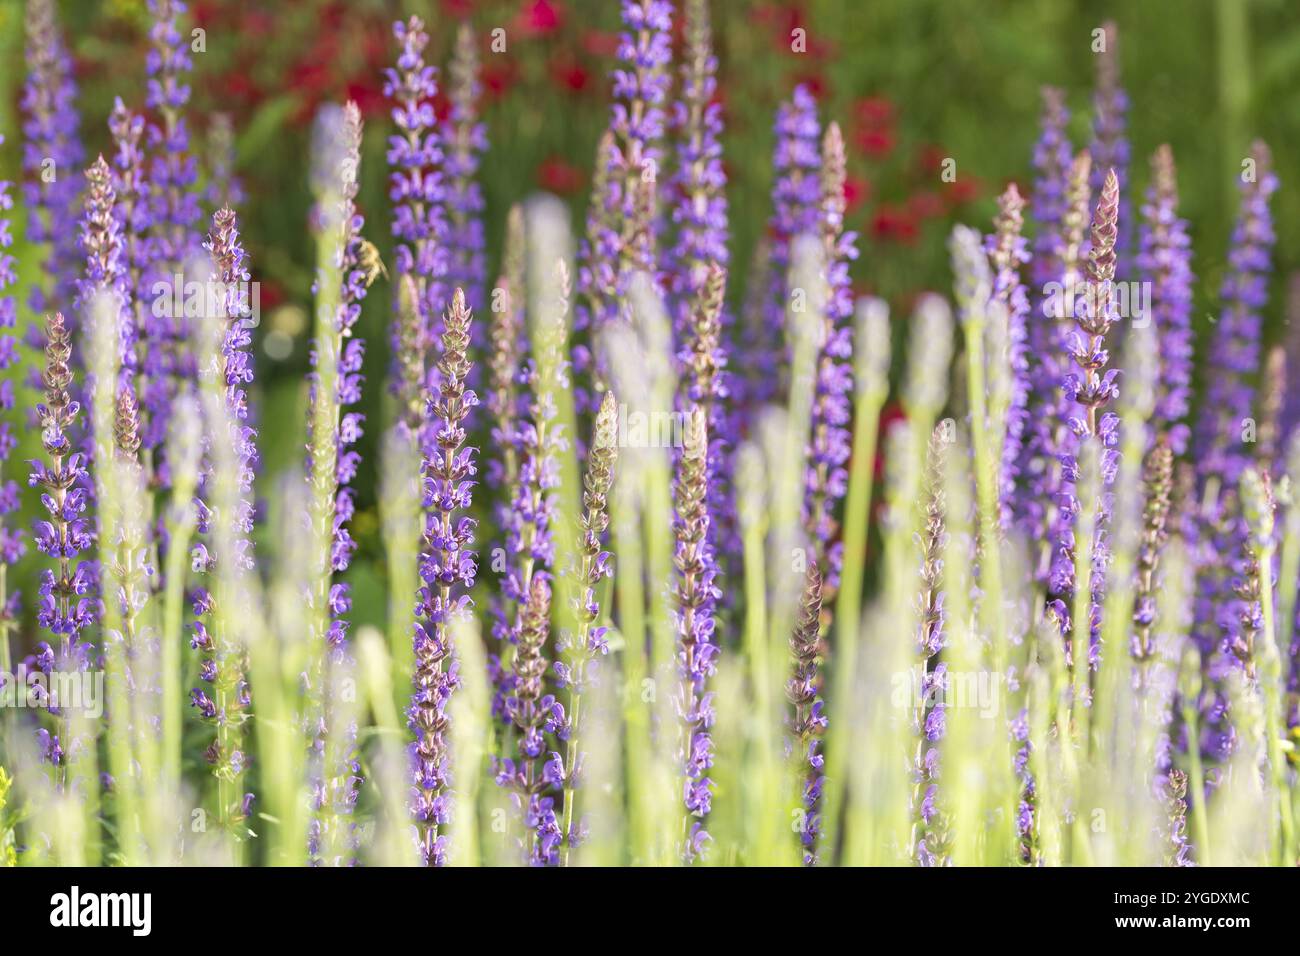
column 465, row 147
column 1008, row 253
column 694, row 596
column 1109, row 147
column 581, row 651
column 447, row 570
column 809, row 722
column 12, row 545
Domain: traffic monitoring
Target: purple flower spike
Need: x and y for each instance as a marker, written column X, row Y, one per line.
column 809, row 722
column 12, row 546
column 1164, row 261
column 466, row 144
column 52, row 157
column 106, row 274
column 416, row 187
column 447, row 570
column 1008, row 252
column 828, row 453
column 796, row 192
column 694, row 597
column 226, row 706
column 1109, row 147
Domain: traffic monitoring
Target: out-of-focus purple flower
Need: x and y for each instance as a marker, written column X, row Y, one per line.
column 1109, row 147
column 1158, row 482
column 416, row 183
column 1047, row 361
column 52, row 158
column 694, row 597
column 447, row 570
column 796, row 193
column 1164, row 261
column 224, row 187
column 809, row 722
column 1008, row 252
column 827, row 478
column 12, row 545
column 1229, row 395
column 466, row 143
column 106, row 283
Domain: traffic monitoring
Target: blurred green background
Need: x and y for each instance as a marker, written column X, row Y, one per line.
column 911, row 81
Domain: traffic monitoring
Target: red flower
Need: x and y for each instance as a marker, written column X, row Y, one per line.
column 497, row 80
column 539, row 18
column 876, row 141
column 460, row 9
column 875, row 111
column 894, row 224
column 558, row 176
column 925, row 205
column 600, row 43
column 815, row 84
column 965, row 189
column 856, row 190
column 570, row 75
column 929, row 159
column 369, row 97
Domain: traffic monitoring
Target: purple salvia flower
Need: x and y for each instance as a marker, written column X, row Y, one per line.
column 1008, row 252
column 929, row 841
column 466, row 143
column 601, row 248
column 67, row 604
column 174, row 213
column 829, row 443
column 796, row 193
column 580, row 653
column 1229, row 395
column 222, row 667
column 336, row 788
column 1109, row 147
column 530, row 712
column 1164, row 261
column 12, row 546
column 809, row 721
column 1091, row 386
column 106, row 275
column 447, row 570
column 1058, row 552
column 52, row 157
column 1048, row 209
column 132, row 192
column 416, row 187
column 694, row 597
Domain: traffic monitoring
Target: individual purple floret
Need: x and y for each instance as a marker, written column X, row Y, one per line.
column 796, row 194
column 12, row 546
column 809, row 723
column 447, row 570
column 1230, row 393
column 694, row 597
column 466, row 143
column 1091, row 385
column 1008, row 252
column 227, row 706
column 827, row 478
column 52, row 159
column 1109, row 147
column 416, row 186
column 1164, row 261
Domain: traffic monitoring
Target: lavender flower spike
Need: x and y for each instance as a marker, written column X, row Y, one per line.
column 466, row 144
column 694, row 595
column 809, row 723
column 828, row 453
column 1164, row 261
column 12, row 546
column 106, row 273
column 1092, row 386
column 1008, row 252
column 577, row 670
column 67, row 606
column 222, row 667
column 52, row 156
column 447, row 569
column 416, row 187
